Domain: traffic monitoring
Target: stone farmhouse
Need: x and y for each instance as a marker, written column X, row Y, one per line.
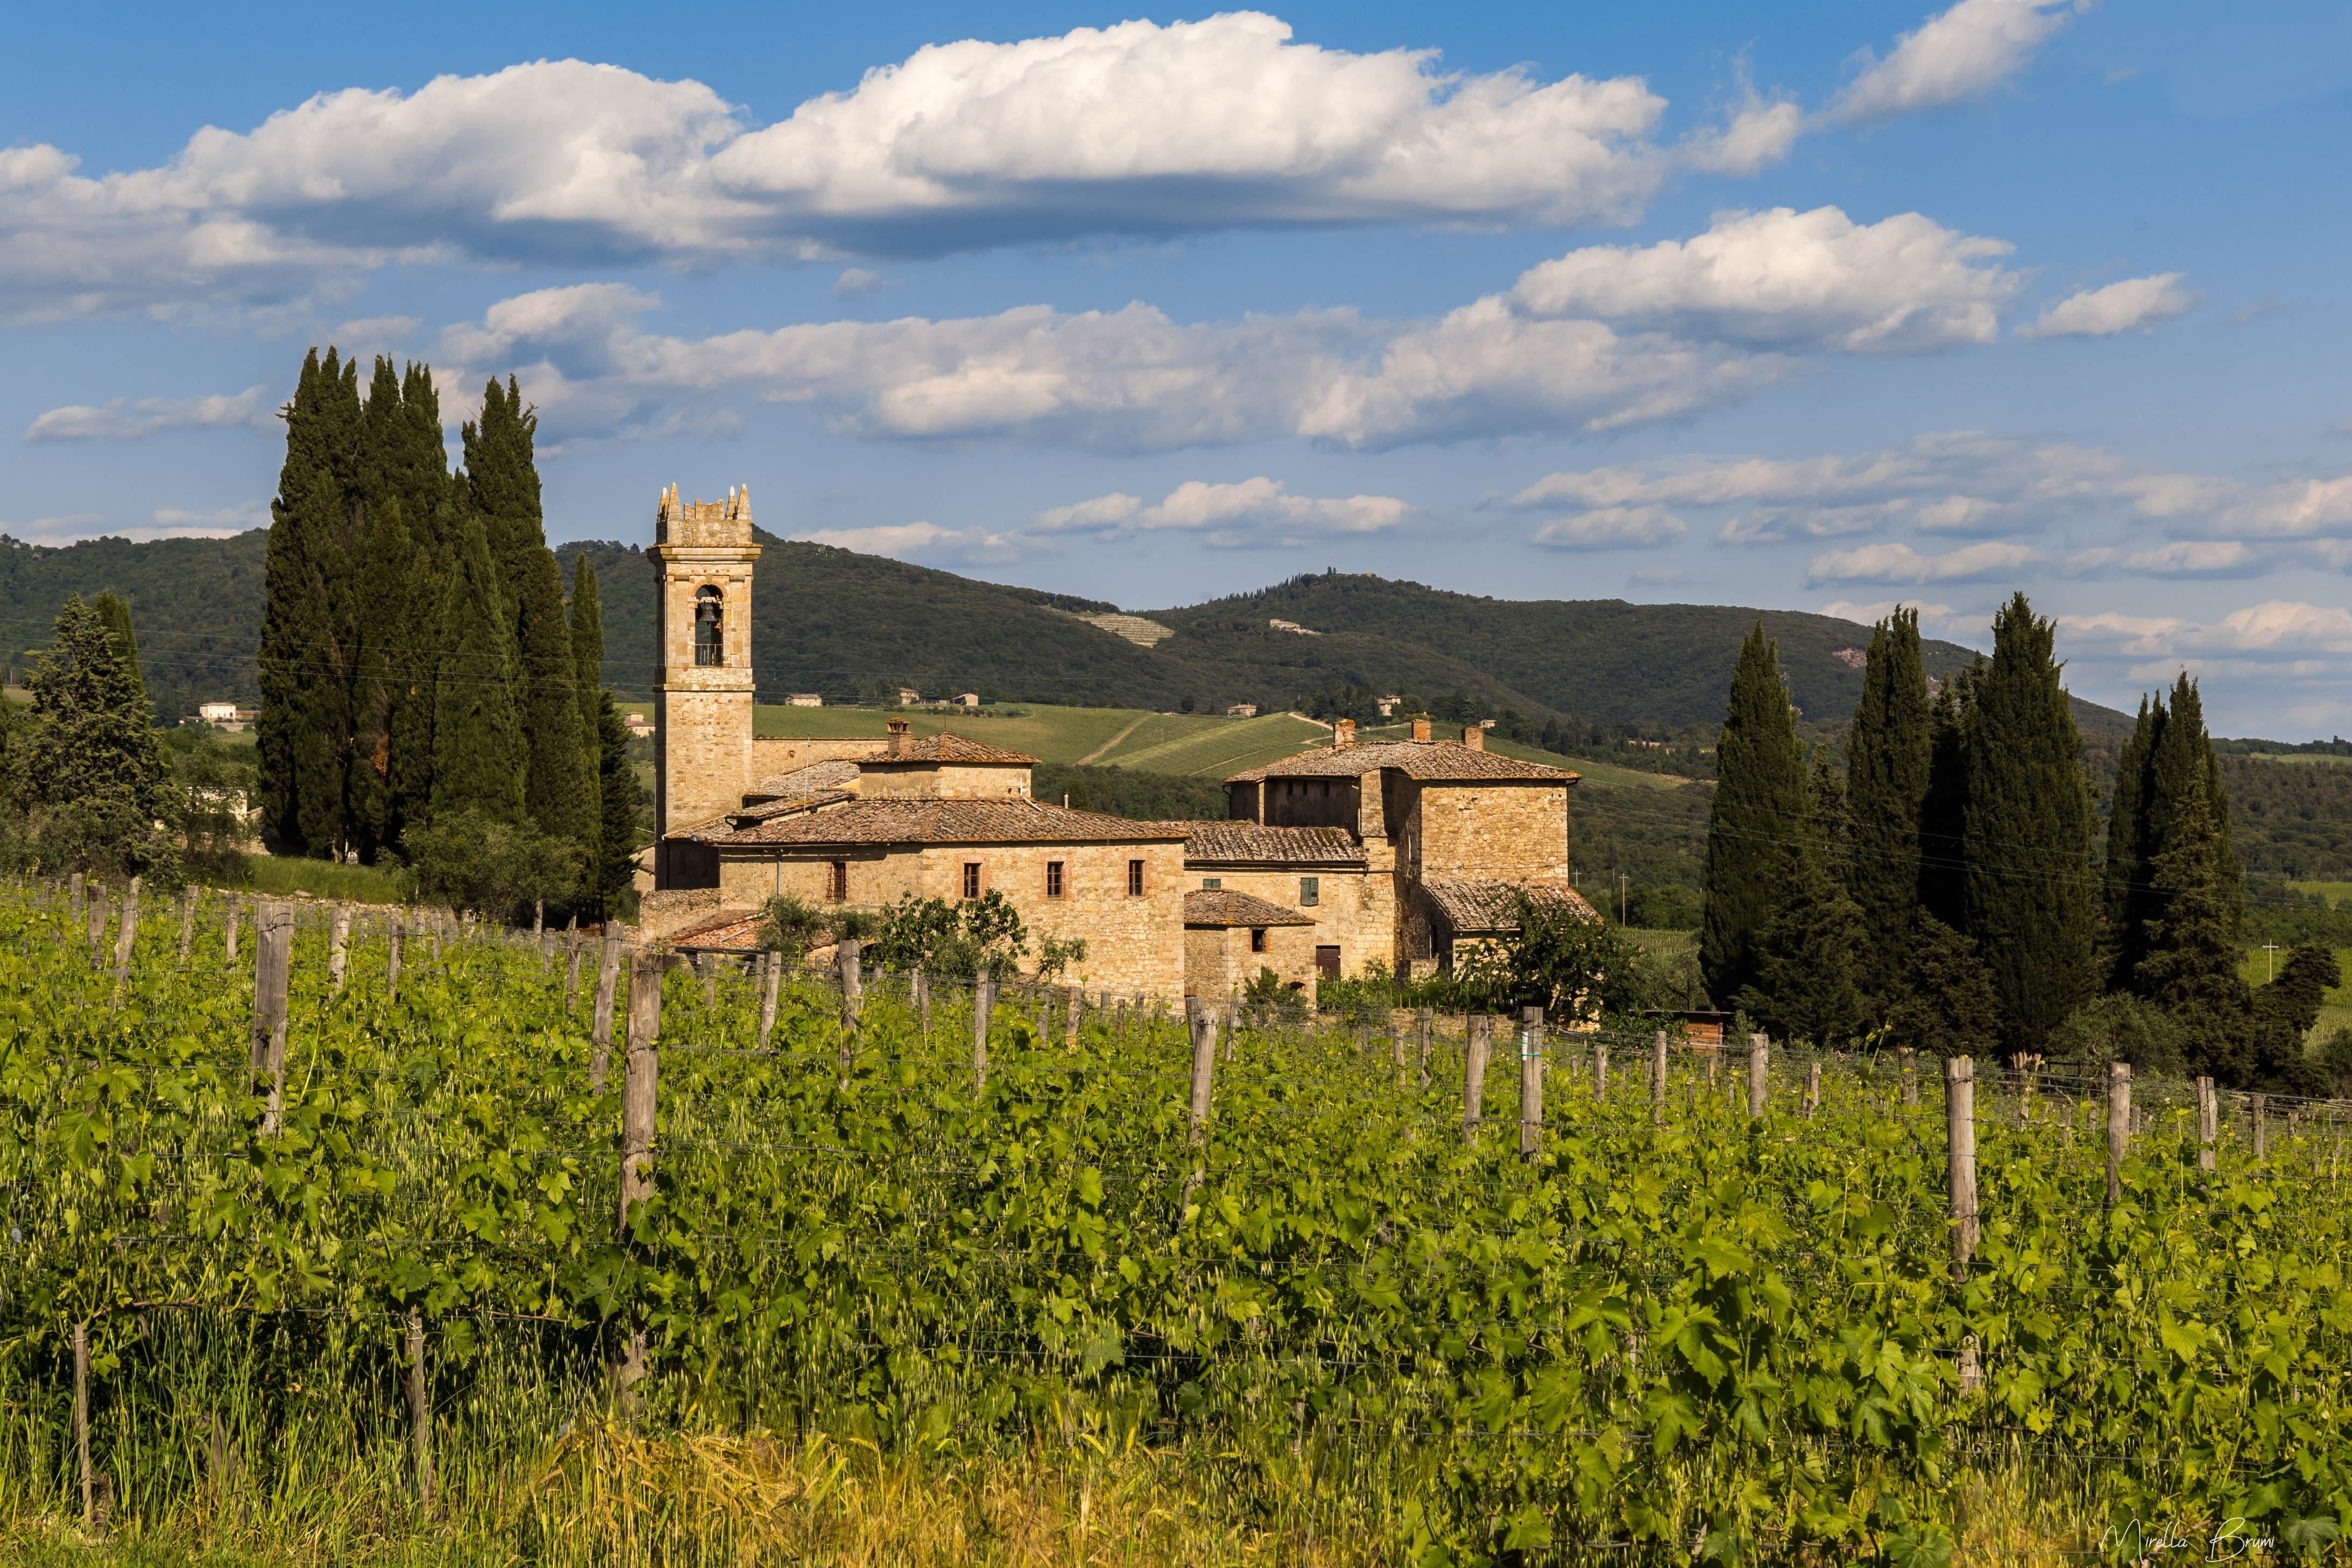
column 1399, row 853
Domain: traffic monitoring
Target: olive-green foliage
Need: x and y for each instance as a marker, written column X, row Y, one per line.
column 1808, row 964
column 2189, row 965
column 790, row 924
column 1667, row 1326
column 2027, row 893
column 1576, row 968
column 93, row 784
column 955, row 941
column 498, row 867
column 1888, row 749
column 2120, row 1028
column 619, row 799
column 1757, row 828
column 479, row 752
column 1945, row 1005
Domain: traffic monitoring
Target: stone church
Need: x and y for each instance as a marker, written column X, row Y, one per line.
column 1400, row 853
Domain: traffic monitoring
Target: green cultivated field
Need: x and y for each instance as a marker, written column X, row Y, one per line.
column 879, row 1295
column 1195, row 744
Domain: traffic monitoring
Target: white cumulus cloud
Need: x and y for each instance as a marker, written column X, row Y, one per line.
column 1256, row 513
column 1957, row 54
column 923, row 541
column 1787, row 280
column 1613, row 528
column 2133, row 305
column 119, row 421
column 1900, row 563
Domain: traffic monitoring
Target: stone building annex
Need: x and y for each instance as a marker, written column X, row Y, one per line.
column 1395, row 852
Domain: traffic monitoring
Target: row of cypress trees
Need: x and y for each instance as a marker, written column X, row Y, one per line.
column 1943, row 888
column 419, row 660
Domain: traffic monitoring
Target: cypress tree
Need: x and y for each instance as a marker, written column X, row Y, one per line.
column 2125, row 881
column 1948, row 1007
column 382, row 568
column 479, row 757
column 2026, row 885
column 1757, row 823
column 425, row 633
column 420, row 474
column 588, row 679
column 1887, row 752
column 1807, row 984
column 620, row 798
column 2191, row 967
column 1943, row 810
column 115, row 611
column 559, row 792
column 2182, row 749
column 94, row 762
column 2283, row 1013
column 502, row 487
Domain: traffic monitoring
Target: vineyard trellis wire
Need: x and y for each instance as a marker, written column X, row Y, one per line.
column 1669, row 1316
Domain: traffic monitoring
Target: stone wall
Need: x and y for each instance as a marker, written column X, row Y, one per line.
column 772, row 755
column 1218, row 962
column 1356, row 913
column 1516, row 832
column 1133, row 944
column 956, row 781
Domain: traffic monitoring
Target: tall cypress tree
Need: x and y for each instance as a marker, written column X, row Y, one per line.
column 559, row 792
column 619, row 800
column 2190, row 965
column 588, row 681
column 2181, row 752
column 1757, row 824
column 2026, row 886
column 503, row 488
column 1809, row 959
column 95, row 763
column 479, row 757
column 115, row 611
column 1943, row 810
column 2127, row 872
column 1887, row 752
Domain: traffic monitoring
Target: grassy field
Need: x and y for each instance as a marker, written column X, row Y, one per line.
column 2335, row 1014
column 1194, row 745
column 2336, row 893
column 284, row 875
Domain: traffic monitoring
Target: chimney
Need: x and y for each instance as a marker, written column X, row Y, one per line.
column 898, row 728
column 1474, row 738
column 1421, row 727
column 1343, row 733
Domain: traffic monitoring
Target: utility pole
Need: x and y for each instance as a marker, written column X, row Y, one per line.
column 1621, row 898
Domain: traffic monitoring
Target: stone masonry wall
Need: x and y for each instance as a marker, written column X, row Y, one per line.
column 1354, row 915
column 1513, row 832
column 1133, row 944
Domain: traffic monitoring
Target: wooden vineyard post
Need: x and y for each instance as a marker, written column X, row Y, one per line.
column 74, row 893
column 1531, row 1077
column 1118, row 1017
column 339, row 941
column 1910, row 1074
column 1658, row 1077
column 273, row 948
column 1074, row 1003
column 640, row 1088
column 2262, row 1130
column 1961, row 1153
column 97, row 922
column 1232, row 1024
column 1422, row 1023
column 1812, row 1088
column 570, row 971
column 2118, row 1128
column 706, row 965
column 228, row 928
column 1473, row 1073
column 187, row 922
column 1759, row 1061
column 984, row 1004
column 600, row 1030
column 771, row 976
column 420, row 1406
column 853, row 1001
column 1200, row 1019
column 81, row 1421
column 391, row 957
column 2208, row 1119
column 435, row 928
column 919, row 988
column 1600, row 1070
column 126, row 937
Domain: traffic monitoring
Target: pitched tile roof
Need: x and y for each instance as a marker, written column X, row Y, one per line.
column 729, row 931
column 924, row 820
column 761, row 808
column 1473, row 904
column 1229, row 907
column 1249, row 843
column 944, row 747
column 810, row 780
column 1427, row 760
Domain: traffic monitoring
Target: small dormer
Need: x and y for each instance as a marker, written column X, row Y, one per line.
column 943, row 767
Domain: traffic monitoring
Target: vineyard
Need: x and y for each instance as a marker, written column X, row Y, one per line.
column 1441, row 1290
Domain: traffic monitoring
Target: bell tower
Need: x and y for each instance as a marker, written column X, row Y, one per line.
column 702, row 556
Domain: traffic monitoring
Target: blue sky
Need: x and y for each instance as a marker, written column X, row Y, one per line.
column 1822, row 306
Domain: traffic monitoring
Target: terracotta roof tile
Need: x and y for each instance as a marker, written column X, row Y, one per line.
column 1229, row 907
column 923, row 820
column 1472, row 904
column 761, row 808
column 810, row 780
column 1427, row 760
column 729, row 931
column 944, row 747
column 1248, row 843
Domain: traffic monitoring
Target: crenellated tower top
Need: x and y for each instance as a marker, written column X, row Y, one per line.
column 704, row 523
